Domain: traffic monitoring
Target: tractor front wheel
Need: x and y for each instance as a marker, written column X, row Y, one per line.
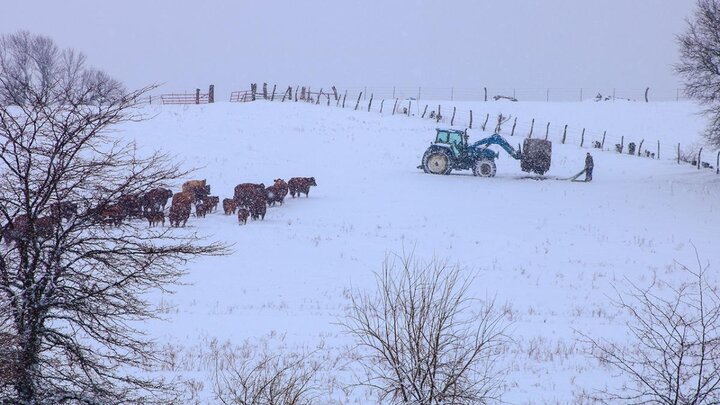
column 485, row 168
column 437, row 162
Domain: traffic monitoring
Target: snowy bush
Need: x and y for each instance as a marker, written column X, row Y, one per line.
column 421, row 339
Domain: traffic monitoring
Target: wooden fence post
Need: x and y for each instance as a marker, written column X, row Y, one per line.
column 646, row 93
column 452, row 120
column 197, row 96
column 512, row 133
column 564, row 134
column 357, row 103
column 678, row 153
column 296, row 93
column 438, row 114
column 658, row 150
column 318, row 97
column 717, row 164
column 308, row 99
column 395, row 106
column 334, row 89
column 582, row 138
column 424, row 111
column 253, row 91
column 484, row 125
column 547, row 130
column 381, row 105
column 289, row 89
column 265, row 91
column 211, row 94
column 409, row 107
column 344, row 97
column 272, row 98
column 699, row 158
column 640, row 147
column 532, row 125
column 303, row 96
column 485, row 88
column 622, row 143
column 602, row 144
column 470, row 119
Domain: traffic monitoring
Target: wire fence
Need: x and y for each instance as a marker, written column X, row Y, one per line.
column 546, row 94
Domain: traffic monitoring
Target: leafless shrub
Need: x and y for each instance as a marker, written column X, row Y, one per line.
column 421, row 339
column 251, row 377
column 674, row 353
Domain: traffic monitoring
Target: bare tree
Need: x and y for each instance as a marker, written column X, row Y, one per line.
column 421, row 338
column 73, row 291
column 256, row 377
column 700, row 62
column 674, row 353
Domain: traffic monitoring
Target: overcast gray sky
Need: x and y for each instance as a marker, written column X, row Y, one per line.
column 460, row 43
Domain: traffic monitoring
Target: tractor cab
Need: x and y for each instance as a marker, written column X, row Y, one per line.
column 455, row 139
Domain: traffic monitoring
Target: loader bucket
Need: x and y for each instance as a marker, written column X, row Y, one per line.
column 536, row 155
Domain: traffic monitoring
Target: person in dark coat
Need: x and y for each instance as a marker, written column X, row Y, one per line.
column 588, row 167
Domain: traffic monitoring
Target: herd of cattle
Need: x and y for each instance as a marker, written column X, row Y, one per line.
column 249, row 200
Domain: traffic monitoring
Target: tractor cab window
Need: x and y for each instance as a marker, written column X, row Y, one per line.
column 456, row 142
column 442, row 137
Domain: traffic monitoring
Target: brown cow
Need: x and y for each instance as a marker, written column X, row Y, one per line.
column 45, row 227
column 63, row 210
column 199, row 188
column 282, row 187
column 112, row 215
column 156, row 199
column 243, row 215
column 131, row 204
column 155, row 218
column 185, row 198
column 179, row 213
column 229, row 206
column 299, row 185
column 201, row 209
column 211, row 202
column 277, row 192
column 258, row 210
column 20, row 228
column 247, row 194
column 17, row 230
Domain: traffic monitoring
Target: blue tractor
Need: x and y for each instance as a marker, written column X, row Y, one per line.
column 451, row 151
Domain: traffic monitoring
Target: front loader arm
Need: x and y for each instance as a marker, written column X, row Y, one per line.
column 496, row 139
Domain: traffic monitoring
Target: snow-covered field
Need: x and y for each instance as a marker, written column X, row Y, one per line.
column 549, row 251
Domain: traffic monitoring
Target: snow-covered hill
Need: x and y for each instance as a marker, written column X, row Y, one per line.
column 549, row 250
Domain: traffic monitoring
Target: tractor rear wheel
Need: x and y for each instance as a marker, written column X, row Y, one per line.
column 485, row 168
column 437, row 162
